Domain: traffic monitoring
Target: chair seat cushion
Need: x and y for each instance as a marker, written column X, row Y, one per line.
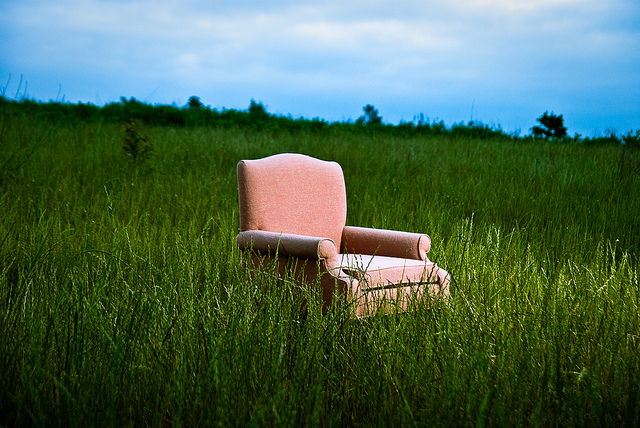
column 388, row 272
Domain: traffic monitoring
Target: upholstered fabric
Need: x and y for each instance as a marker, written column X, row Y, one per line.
column 383, row 242
column 383, row 271
column 292, row 193
column 293, row 210
column 368, row 302
column 286, row 244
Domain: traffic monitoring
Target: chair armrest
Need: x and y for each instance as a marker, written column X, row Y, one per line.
column 306, row 247
column 391, row 243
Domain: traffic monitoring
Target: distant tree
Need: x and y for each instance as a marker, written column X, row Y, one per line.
column 194, row 103
column 552, row 126
column 257, row 110
column 258, row 114
column 370, row 116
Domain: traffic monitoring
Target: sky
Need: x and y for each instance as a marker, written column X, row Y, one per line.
column 501, row 62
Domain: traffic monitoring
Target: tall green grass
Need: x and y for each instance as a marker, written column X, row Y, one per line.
column 123, row 300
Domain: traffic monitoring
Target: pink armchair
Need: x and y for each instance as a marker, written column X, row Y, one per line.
column 294, row 207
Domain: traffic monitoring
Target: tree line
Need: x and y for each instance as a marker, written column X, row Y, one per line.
column 195, row 114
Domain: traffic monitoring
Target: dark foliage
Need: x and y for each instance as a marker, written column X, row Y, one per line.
column 370, row 116
column 629, row 164
column 196, row 114
column 136, row 144
column 194, row 103
column 552, row 126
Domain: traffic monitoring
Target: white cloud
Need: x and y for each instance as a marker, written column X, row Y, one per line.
column 395, row 52
column 519, row 6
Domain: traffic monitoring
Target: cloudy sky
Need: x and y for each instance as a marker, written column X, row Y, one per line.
column 502, row 62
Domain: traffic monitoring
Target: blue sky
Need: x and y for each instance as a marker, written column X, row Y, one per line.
column 502, row 62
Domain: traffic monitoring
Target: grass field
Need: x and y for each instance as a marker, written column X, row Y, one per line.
column 123, row 300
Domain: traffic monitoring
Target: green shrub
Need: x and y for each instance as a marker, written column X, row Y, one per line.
column 136, row 144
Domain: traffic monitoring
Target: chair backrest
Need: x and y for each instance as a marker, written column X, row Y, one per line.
column 292, row 193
